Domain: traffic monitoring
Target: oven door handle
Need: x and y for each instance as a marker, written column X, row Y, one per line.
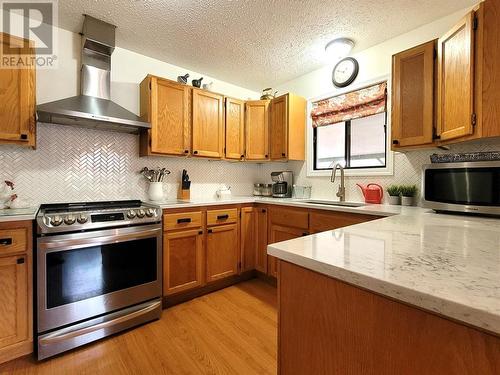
column 109, row 236
column 58, row 336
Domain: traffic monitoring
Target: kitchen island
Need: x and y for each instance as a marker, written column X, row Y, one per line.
column 379, row 297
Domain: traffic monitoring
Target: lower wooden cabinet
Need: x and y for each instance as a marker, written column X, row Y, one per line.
column 280, row 233
column 16, row 311
column 261, row 239
column 323, row 221
column 222, row 252
column 182, row 261
column 248, row 236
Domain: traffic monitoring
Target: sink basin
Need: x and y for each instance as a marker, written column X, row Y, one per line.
column 334, row 203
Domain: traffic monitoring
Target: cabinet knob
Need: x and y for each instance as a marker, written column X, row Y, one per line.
column 24, row 137
column 305, row 234
column 200, row 232
column 20, row 261
column 186, row 151
column 264, row 210
column 242, row 156
column 283, row 154
column 210, row 231
column 195, row 152
column 266, row 156
column 395, row 142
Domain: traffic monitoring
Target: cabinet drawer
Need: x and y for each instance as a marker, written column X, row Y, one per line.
column 13, row 241
column 182, row 220
column 226, row 216
column 290, row 217
column 322, row 221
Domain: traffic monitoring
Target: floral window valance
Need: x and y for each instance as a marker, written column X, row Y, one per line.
column 355, row 104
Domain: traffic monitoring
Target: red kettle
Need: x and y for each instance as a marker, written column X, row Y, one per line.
column 373, row 193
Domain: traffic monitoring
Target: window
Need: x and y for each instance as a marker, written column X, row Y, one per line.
column 350, row 129
column 358, row 143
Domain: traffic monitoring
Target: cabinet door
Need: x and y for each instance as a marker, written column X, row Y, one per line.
column 456, row 80
column 170, row 128
column 14, row 297
column 248, row 238
column 235, row 129
column 17, row 95
column 413, row 96
column 257, row 130
column 222, row 252
column 208, row 125
column 280, row 233
column 323, row 221
column 182, row 261
column 261, row 241
column 279, row 128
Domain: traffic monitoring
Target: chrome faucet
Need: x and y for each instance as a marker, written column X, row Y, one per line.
column 341, row 191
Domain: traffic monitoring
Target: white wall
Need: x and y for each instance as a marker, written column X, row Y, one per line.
column 374, row 62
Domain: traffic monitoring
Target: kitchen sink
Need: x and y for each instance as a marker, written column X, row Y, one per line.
column 336, row 203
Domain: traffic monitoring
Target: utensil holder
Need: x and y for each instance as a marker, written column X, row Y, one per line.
column 155, row 191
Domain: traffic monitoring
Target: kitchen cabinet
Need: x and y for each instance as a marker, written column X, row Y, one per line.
column 278, row 233
column 235, row 129
column 208, row 124
column 222, row 252
column 16, row 327
column 261, row 239
column 455, row 108
column 248, row 238
column 182, row 260
column 165, row 104
column 17, row 95
column 287, row 127
column 413, row 76
column 257, row 130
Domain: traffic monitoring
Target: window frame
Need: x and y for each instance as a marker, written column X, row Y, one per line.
column 388, row 170
column 347, row 147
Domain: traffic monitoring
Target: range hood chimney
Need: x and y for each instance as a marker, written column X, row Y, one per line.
column 93, row 108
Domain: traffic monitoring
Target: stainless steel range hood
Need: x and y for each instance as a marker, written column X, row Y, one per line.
column 93, row 108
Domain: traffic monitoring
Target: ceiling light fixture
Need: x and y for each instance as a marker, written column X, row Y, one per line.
column 339, row 48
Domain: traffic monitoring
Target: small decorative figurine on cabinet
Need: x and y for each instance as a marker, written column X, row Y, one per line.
column 197, row 82
column 183, row 79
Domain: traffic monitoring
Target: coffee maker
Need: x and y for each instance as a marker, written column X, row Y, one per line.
column 283, row 182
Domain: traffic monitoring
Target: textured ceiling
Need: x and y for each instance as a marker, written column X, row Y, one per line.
column 252, row 43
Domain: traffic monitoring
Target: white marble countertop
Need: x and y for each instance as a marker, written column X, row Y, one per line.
column 370, row 209
column 446, row 264
column 18, row 214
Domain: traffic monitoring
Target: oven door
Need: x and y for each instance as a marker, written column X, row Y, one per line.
column 83, row 275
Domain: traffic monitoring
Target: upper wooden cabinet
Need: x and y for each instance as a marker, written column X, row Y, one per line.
column 287, row 127
column 165, row 104
column 235, row 129
column 455, row 107
column 413, row 96
column 208, row 124
column 257, row 130
column 467, row 96
column 17, row 95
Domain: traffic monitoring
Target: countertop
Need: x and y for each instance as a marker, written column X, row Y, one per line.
column 370, row 209
column 18, row 214
column 447, row 264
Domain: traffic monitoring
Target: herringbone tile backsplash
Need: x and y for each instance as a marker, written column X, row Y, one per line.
column 74, row 164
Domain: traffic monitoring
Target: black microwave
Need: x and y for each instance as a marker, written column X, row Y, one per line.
column 471, row 187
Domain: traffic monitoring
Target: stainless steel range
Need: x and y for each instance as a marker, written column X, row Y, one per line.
column 98, row 271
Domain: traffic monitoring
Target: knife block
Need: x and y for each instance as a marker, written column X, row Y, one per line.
column 184, row 194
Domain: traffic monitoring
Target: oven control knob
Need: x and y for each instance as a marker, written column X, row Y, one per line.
column 141, row 213
column 150, row 212
column 69, row 220
column 131, row 214
column 82, row 219
column 56, row 220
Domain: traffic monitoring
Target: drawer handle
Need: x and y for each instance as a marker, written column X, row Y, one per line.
column 5, row 241
column 20, row 261
column 223, row 217
column 184, row 220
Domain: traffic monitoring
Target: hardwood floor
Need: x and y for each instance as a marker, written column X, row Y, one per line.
column 231, row 331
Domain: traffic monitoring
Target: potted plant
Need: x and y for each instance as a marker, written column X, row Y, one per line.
column 394, row 192
column 408, row 193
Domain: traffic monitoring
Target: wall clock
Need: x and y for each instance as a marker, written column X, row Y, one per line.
column 345, row 72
